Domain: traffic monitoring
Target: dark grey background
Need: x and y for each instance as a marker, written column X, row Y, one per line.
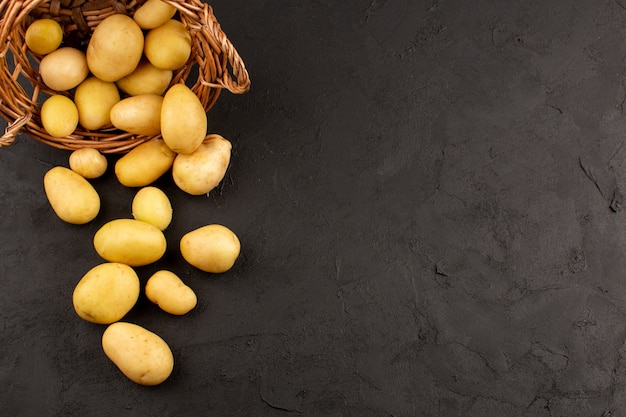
column 423, row 193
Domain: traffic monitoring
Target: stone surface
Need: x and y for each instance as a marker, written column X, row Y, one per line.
column 428, row 199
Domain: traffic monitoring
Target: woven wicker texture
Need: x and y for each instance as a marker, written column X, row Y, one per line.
column 214, row 64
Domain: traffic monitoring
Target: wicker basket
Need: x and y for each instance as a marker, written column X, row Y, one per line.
column 214, row 64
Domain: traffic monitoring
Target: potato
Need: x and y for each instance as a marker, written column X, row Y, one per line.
column 183, row 120
column 169, row 292
column 72, row 197
column 145, row 79
column 59, row 116
column 140, row 115
column 64, row 68
column 106, row 293
column 88, row 163
column 141, row 355
column 212, row 248
column 94, row 99
column 115, row 48
column 130, row 242
column 144, row 164
column 153, row 13
column 168, row 46
column 151, row 205
column 201, row 171
column 43, row 36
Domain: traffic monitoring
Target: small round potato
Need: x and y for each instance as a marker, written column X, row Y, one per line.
column 169, row 292
column 203, row 169
column 130, row 242
column 94, row 99
column 140, row 115
column 183, row 120
column 71, row 196
column 168, row 46
column 88, row 162
column 153, row 13
column 146, row 79
column 59, row 116
column 64, row 68
column 144, row 164
column 141, row 355
column 43, row 36
column 151, row 205
column 106, row 293
column 213, row 248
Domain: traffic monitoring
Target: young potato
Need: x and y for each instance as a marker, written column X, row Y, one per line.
column 131, row 242
column 144, row 164
column 59, row 116
column 153, row 13
column 106, row 293
column 64, row 68
column 183, row 120
column 43, row 36
column 115, row 48
column 94, row 100
column 151, row 205
column 169, row 292
column 88, row 163
column 141, row 355
column 203, row 169
column 140, row 115
column 213, row 248
column 72, row 197
column 168, row 46
column 146, row 79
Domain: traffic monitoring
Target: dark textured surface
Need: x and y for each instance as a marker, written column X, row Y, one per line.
column 428, row 199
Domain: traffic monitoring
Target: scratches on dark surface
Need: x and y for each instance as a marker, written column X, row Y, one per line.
column 604, row 181
column 620, row 4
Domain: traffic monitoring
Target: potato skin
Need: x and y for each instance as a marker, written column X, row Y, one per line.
column 72, row 197
column 151, row 205
column 140, row 115
column 59, row 116
column 141, row 355
column 168, row 46
column 202, row 170
column 212, row 248
column 153, row 13
column 183, row 120
column 144, row 164
column 145, row 79
column 106, row 293
column 64, row 68
column 94, row 99
column 115, row 48
column 88, row 162
column 169, row 292
column 131, row 242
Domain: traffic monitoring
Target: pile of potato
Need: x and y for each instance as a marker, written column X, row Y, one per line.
column 123, row 81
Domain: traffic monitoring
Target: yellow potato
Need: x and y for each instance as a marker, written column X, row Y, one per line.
column 144, row 164
column 94, row 99
column 153, row 13
column 115, row 48
column 43, row 36
column 141, row 355
column 64, row 68
column 183, row 120
column 88, row 162
column 203, row 169
column 59, row 116
column 129, row 242
column 145, row 79
column 212, row 248
column 106, row 293
column 168, row 46
column 168, row 291
column 71, row 196
column 140, row 115
column 151, row 205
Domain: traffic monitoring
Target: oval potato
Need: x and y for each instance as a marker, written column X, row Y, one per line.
column 88, row 162
column 115, row 48
column 71, row 196
column 64, row 68
column 106, row 293
column 59, row 116
column 43, row 36
column 153, row 13
column 131, row 242
column 168, row 46
column 183, row 120
column 145, row 79
column 140, row 115
column 151, row 205
column 169, row 292
column 94, row 100
column 203, row 169
column 144, row 164
column 141, row 355
column 213, row 248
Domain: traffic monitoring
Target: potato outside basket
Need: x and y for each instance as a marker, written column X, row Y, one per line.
column 214, row 65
